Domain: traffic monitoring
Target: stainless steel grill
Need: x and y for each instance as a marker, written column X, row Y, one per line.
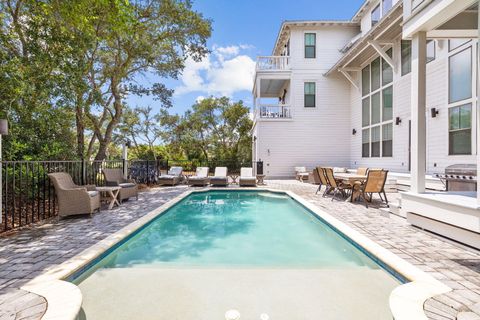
column 460, row 177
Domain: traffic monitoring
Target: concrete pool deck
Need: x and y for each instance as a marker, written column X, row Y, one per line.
column 28, row 253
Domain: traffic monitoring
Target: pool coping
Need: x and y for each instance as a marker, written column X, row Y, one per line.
column 64, row 299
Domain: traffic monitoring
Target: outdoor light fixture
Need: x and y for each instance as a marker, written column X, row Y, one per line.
column 354, row 132
column 434, row 112
column 3, row 131
column 398, row 121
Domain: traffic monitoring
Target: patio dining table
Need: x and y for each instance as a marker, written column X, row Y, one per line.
column 351, row 178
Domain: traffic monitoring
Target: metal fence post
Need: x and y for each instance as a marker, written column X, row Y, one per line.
column 84, row 172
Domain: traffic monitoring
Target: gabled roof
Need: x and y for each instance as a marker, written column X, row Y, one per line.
column 388, row 28
column 305, row 23
column 359, row 14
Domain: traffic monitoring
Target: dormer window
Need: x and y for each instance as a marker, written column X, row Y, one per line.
column 376, row 15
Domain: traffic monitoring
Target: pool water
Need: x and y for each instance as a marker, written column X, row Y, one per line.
column 224, row 249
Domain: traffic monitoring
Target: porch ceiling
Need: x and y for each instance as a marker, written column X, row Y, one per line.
column 271, row 88
column 385, row 32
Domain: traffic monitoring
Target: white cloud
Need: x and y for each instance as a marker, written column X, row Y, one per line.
column 225, row 71
column 199, row 99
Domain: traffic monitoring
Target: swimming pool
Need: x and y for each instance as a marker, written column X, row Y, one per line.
column 255, row 251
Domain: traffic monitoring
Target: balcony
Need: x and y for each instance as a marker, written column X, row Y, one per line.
column 278, row 111
column 273, row 63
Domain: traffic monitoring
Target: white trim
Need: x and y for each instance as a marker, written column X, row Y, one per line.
column 349, row 78
column 382, row 53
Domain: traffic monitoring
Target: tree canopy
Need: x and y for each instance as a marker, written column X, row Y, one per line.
column 66, row 68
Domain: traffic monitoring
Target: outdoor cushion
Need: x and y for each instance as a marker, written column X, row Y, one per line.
column 92, row 193
column 168, row 176
column 218, row 177
column 197, row 178
column 127, row 185
column 339, row 170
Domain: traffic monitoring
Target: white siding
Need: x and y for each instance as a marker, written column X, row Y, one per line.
column 323, row 135
column 306, row 140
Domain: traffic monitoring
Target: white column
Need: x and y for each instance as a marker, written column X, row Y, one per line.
column 418, row 101
column 125, row 160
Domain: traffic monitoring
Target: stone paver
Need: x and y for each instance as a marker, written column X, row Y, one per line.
column 29, row 252
column 453, row 264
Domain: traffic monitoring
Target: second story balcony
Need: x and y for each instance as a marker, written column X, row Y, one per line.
column 273, row 63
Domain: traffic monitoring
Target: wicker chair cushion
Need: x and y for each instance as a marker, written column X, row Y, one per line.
column 221, row 172
column 175, row 171
column 127, row 185
column 92, row 193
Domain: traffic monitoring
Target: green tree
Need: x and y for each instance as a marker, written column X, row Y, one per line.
column 71, row 64
column 215, row 128
column 32, row 50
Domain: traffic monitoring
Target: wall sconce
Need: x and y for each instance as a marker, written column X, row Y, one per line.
column 434, row 112
column 398, row 121
column 354, row 132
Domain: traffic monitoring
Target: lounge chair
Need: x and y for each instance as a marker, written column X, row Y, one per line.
column 301, row 173
column 220, row 178
column 337, row 187
column 114, row 178
column 200, row 178
column 74, row 199
column 375, row 183
column 247, row 178
column 173, row 177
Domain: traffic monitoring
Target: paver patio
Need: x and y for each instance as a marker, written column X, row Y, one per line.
column 29, row 252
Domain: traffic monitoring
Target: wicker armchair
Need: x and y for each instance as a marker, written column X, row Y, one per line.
column 114, row 178
column 74, row 199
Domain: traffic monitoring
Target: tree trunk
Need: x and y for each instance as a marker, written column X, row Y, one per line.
column 102, row 150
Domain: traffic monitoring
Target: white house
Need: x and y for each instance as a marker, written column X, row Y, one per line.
column 395, row 87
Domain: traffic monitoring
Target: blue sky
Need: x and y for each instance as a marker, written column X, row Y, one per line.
column 242, row 30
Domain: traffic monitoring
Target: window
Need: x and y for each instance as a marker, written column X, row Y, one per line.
column 310, row 45
column 387, row 140
column 309, row 96
column 387, row 5
column 377, row 109
column 455, row 43
column 430, row 51
column 460, row 76
column 375, row 15
column 366, row 80
column 387, row 71
column 375, row 74
column 366, row 143
column 460, row 130
column 406, row 56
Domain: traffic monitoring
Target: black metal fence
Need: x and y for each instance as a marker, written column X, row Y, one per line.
column 28, row 195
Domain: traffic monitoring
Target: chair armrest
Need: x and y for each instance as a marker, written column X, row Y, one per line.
column 112, row 183
column 89, row 187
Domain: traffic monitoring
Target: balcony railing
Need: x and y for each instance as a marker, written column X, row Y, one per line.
column 273, row 63
column 274, row 111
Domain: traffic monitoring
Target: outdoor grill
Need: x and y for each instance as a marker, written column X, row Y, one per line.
column 460, row 177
